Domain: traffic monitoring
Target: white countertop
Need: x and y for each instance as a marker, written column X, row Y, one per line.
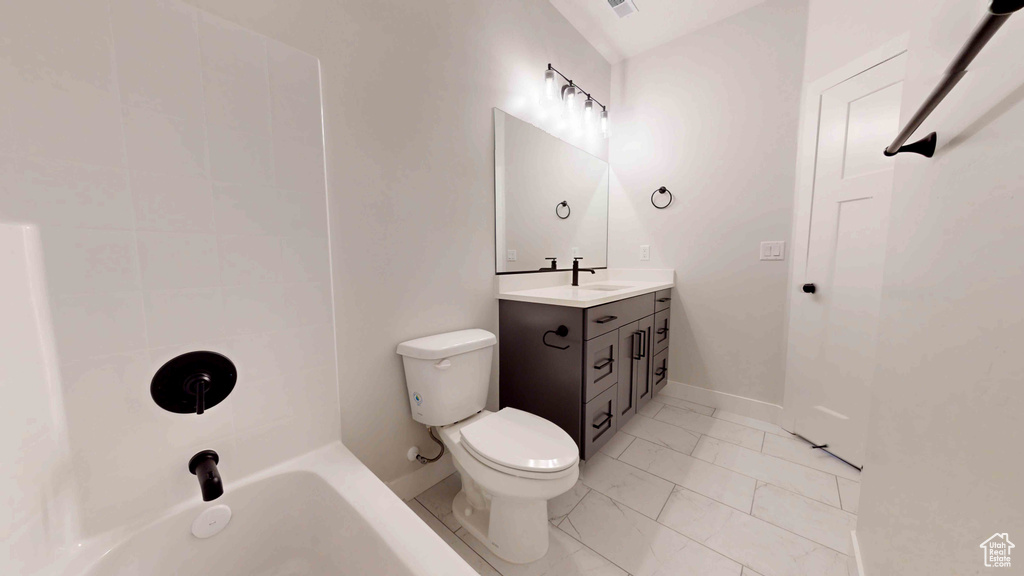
column 584, row 295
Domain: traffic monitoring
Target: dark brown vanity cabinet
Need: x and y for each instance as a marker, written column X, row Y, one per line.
column 592, row 381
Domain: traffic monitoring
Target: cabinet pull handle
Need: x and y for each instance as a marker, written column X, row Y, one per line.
column 603, row 363
column 664, row 299
column 636, row 345
column 660, row 371
column 606, row 319
column 599, row 425
column 643, row 342
column 662, row 331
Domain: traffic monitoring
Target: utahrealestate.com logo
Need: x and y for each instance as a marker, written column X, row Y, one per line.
column 997, row 550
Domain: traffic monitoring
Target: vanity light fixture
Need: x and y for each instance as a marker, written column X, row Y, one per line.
column 572, row 96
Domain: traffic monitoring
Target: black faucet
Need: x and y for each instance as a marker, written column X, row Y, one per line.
column 204, row 466
column 554, row 264
column 576, row 270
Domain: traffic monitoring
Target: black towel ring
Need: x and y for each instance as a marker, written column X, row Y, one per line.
column 562, row 331
column 662, row 190
column 567, row 209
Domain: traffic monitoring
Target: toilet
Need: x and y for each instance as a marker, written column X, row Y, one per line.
column 511, row 462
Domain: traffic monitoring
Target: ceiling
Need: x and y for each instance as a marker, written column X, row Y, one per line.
column 656, row 22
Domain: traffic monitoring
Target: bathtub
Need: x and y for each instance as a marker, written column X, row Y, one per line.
column 323, row 513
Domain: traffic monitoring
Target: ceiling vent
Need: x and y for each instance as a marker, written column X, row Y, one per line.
column 623, row 8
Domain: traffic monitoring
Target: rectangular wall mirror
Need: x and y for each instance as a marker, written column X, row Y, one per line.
column 551, row 200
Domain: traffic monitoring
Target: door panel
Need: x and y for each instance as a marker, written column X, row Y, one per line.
column 629, row 352
column 832, row 330
column 644, row 389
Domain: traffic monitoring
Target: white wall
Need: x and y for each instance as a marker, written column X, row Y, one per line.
column 173, row 163
column 408, row 92
column 713, row 116
column 943, row 469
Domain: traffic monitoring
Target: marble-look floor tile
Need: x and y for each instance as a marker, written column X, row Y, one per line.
column 640, row 545
column 461, row 548
column 783, row 473
column 560, row 506
column 715, row 482
column 849, row 493
column 811, row 519
column 650, row 409
column 661, row 433
column 721, row 429
column 680, row 403
column 565, row 557
column 799, row 451
column 748, row 572
column 641, row 491
column 438, row 500
column 766, row 548
column 751, row 422
column 617, row 444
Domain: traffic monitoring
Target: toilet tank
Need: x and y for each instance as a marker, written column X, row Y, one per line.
column 448, row 375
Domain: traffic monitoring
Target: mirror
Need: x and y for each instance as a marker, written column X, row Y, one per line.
column 551, row 200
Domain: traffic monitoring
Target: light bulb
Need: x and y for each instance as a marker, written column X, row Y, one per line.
column 570, row 96
column 550, row 86
column 604, row 122
column 588, row 114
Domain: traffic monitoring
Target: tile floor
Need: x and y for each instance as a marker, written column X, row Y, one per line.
column 685, row 489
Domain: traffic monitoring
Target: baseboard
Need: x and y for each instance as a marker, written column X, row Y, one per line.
column 729, row 402
column 413, row 483
column 856, row 562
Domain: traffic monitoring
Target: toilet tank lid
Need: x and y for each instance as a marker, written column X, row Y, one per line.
column 447, row 344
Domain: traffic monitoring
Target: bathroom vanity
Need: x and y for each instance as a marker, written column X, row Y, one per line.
column 586, row 358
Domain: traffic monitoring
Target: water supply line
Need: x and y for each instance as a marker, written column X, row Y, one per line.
column 423, row 459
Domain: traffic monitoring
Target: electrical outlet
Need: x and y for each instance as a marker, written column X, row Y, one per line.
column 511, row 256
column 773, row 250
column 645, row 252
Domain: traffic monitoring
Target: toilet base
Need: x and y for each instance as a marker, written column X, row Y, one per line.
column 514, row 529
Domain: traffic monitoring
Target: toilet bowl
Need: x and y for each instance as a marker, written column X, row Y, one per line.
column 511, row 462
column 507, row 479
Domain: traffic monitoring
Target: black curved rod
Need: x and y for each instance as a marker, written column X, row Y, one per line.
column 568, row 210
column 662, row 190
column 998, row 13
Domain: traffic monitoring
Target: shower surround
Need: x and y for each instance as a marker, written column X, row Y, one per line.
column 172, row 163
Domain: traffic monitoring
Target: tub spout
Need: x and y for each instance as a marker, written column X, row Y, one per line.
column 204, row 466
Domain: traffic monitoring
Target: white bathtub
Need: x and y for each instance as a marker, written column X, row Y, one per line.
column 323, row 513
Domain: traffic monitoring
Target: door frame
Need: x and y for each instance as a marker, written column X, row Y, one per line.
column 806, row 163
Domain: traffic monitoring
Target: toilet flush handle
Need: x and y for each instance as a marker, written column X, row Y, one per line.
column 443, row 364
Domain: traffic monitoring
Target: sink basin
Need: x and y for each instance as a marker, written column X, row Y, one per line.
column 605, row 288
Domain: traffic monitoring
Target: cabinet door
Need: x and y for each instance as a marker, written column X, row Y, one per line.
column 659, row 370
column 629, row 360
column 601, row 366
column 644, row 383
column 599, row 422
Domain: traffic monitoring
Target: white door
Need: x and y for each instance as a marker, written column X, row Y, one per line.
column 832, row 329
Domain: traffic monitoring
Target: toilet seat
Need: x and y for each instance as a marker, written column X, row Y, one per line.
column 520, row 444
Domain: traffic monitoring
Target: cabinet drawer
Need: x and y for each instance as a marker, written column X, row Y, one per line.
column 662, row 299
column 600, row 368
column 607, row 317
column 599, row 421
column 659, row 370
column 661, row 330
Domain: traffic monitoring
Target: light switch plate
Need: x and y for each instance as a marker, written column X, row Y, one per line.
column 511, row 256
column 645, row 252
column 773, row 250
